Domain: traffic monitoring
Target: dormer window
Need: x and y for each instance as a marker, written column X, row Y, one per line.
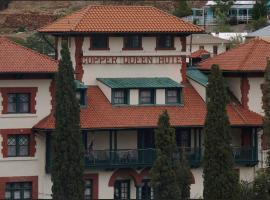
column 147, row 96
column 173, row 96
column 81, row 90
column 119, row 96
column 132, row 42
column 99, row 42
column 165, row 42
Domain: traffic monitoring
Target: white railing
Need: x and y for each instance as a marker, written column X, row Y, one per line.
column 200, row 20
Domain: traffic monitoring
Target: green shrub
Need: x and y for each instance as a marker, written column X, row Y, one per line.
column 261, row 187
column 246, row 190
column 257, row 24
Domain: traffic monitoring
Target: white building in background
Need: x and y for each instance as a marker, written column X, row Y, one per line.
column 128, row 70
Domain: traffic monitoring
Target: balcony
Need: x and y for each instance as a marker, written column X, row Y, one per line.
column 110, row 159
column 132, row 158
column 247, row 156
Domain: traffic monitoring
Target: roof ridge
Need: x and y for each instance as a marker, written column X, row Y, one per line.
column 238, row 113
column 28, row 49
column 85, row 10
column 248, row 54
column 62, row 18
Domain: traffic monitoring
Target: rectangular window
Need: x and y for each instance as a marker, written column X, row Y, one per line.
column 120, row 96
column 165, row 42
column 183, row 138
column 145, row 191
column 20, row 190
column 201, row 47
column 122, row 189
column 215, row 50
column 133, row 42
column 18, row 145
column 99, row 42
column 173, row 96
column 67, row 40
column 18, row 103
column 88, row 189
column 81, row 96
column 147, row 96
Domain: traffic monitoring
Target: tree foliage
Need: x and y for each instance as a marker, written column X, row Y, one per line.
column 37, row 43
column 221, row 10
column 259, row 10
column 183, row 175
column 220, row 179
column 246, row 191
column 163, row 174
column 182, row 9
column 261, row 186
column 266, row 108
column 67, row 159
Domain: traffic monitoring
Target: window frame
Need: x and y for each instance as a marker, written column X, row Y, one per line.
column 66, row 39
column 201, row 47
column 17, row 109
column 6, row 90
column 83, row 97
column 118, row 182
column 139, row 195
column 215, row 49
column 22, row 188
column 153, row 96
column 159, row 37
column 179, row 96
column 101, row 48
column 91, row 188
column 126, row 96
column 17, row 145
column 125, row 38
column 180, row 139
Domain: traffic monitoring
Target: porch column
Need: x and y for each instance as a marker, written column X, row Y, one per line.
column 255, row 144
column 247, row 15
column 237, row 15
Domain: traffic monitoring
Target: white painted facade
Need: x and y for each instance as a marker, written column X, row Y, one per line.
column 255, row 94
column 28, row 166
column 126, row 139
column 93, row 71
column 43, row 104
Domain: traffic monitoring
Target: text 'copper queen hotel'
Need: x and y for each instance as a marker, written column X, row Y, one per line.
column 130, row 65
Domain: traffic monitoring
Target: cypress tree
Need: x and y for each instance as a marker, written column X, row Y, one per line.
column 266, row 108
column 183, row 175
column 220, row 179
column 163, row 174
column 67, row 160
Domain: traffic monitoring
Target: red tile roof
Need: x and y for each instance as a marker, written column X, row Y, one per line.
column 199, row 53
column 18, row 59
column 248, row 57
column 100, row 114
column 120, row 19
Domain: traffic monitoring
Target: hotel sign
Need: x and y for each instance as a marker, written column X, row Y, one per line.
column 131, row 59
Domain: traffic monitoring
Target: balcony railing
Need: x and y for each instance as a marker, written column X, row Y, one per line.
column 146, row 157
column 110, row 159
column 132, row 157
column 245, row 155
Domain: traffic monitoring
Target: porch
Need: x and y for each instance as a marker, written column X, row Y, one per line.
column 135, row 148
